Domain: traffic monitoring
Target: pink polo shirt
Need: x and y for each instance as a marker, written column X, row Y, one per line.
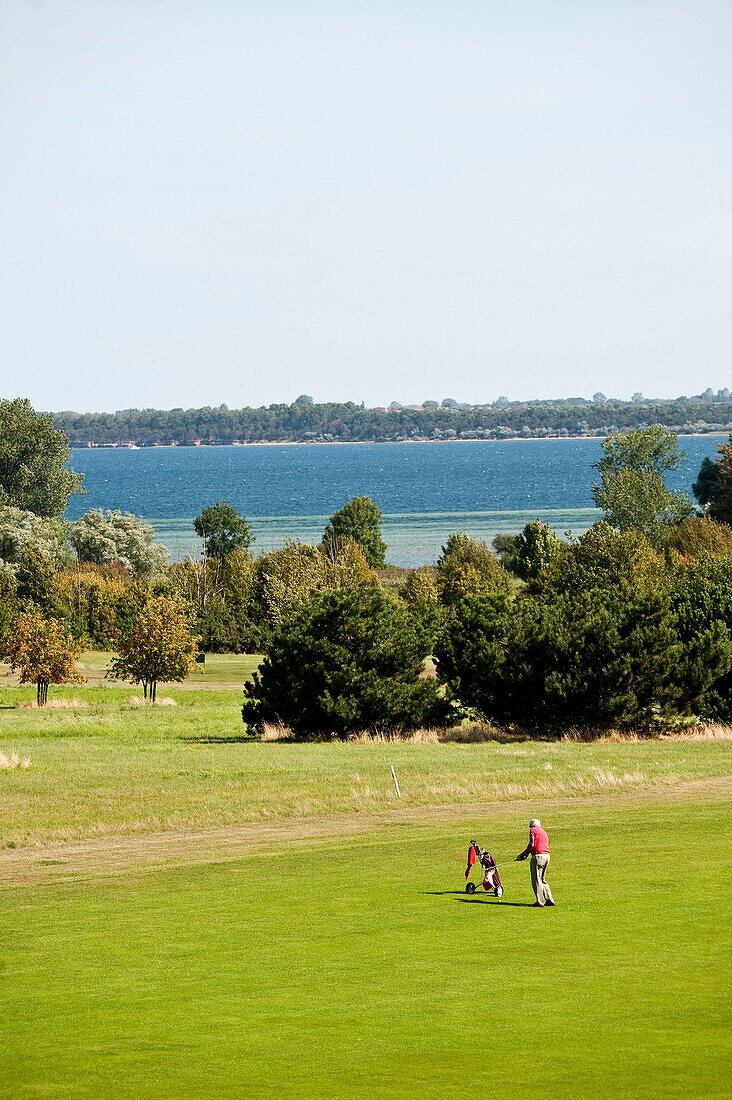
column 539, row 842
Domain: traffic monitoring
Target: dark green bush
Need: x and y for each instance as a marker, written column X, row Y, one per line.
column 530, row 552
column 420, row 594
column 702, row 603
column 596, row 657
column 345, row 661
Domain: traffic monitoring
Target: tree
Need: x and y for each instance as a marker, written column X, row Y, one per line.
column 347, row 660
column 420, row 594
column 633, row 493
column 602, row 558
column 360, row 520
column 702, row 600
column 36, row 581
column 594, row 657
column 43, row 652
column 706, row 484
column 536, row 546
column 219, row 594
column 35, row 474
column 286, row 578
column 720, row 503
column 9, row 605
column 468, row 566
column 505, row 547
column 119, row 537
column 22, row 531
column 93, row 600
column 700, row 535
column 158, row 646
column 223, row 530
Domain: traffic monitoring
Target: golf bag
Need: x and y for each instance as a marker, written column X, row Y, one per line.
column 491, row 878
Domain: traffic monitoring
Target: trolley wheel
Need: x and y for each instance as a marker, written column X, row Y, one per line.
column 470, row 888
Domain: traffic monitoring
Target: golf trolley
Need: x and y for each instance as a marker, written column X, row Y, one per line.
column 491, row 878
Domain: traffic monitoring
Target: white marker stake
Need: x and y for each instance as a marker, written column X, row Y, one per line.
column 399, row 793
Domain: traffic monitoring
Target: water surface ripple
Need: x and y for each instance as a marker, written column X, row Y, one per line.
column 426, row 490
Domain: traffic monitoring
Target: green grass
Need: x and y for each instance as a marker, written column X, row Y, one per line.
column 360, row 968
column 220, row 670
column 342, row 958
column 114, row 768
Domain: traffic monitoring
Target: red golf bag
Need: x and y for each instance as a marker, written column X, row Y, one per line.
column 491, row 878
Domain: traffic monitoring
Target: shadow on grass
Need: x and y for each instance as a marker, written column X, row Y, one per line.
column 482, row 899
column 237, row 739
column 496, row 901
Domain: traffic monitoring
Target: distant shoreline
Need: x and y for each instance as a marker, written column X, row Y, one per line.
column 77, row 446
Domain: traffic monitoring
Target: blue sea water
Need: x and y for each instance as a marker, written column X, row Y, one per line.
column 425, row 490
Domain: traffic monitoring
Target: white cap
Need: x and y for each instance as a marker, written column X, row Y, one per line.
column 534, row 821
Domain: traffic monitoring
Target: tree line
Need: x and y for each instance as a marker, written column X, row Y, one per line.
column 628, row 625
column 305, row 421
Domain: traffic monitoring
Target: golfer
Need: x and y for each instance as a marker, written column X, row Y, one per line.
column 538, row 849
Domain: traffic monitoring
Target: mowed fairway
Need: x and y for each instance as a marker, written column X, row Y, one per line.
column 184, row 913
column 354, row 965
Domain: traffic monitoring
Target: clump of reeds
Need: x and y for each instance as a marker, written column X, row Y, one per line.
column 9, row 763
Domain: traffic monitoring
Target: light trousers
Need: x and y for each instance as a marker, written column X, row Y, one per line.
column 539, row 864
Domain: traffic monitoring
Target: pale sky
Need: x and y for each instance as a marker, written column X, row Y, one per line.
column 207, row 201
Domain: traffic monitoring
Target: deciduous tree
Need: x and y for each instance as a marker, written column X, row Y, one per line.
column 720, row 506
column 705, row 486
column 360, row 520
column 106, row 538
column 42, row 651
column 536, row 546
column 159, row 646
column 468, row 566
column 603, row 558
column 22, row 530
column 35, row 474
column 632, row 493
column 223, row 530
column 286, row 578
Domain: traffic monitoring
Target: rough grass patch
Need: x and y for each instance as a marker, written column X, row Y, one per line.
column 712, row 732
column 53, row 704
column 161, row 701
column 473, row 733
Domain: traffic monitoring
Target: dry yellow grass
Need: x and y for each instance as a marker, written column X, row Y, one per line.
column 9, row 763
column 276, row 731
column 161, row 701
column 712, row 731
column 475, row 733
column 53, row 704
